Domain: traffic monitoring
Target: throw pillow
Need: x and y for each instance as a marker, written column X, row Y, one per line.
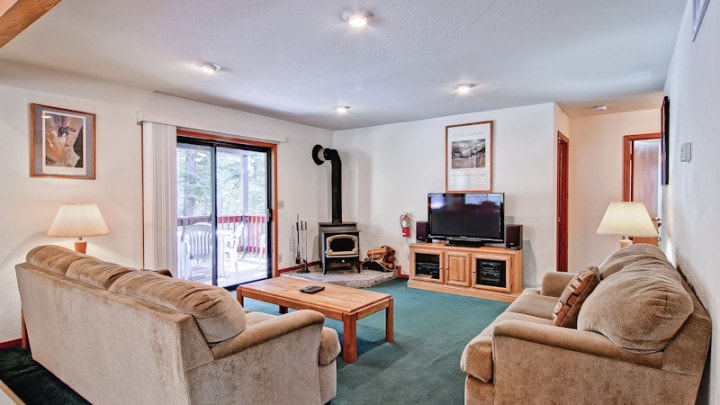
column 578, row 289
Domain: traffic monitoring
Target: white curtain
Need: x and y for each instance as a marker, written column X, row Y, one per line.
column 159, row 142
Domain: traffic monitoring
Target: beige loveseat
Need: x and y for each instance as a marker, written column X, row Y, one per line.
column 117, row 335
column 641, row 337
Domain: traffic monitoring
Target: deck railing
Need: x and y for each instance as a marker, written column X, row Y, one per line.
column 253, row 236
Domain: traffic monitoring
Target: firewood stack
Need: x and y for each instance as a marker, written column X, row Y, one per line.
column 382, row 259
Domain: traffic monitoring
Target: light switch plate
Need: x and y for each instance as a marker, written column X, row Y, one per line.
column 685, row 152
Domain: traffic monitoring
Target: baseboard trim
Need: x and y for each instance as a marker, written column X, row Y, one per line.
column 10, row 343
column 287, row 269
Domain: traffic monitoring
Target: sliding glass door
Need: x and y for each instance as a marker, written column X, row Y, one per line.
column 223, row 194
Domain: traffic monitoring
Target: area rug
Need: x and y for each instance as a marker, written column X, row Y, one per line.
column 421, row 365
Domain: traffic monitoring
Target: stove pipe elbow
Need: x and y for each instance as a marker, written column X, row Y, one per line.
column 320, row 155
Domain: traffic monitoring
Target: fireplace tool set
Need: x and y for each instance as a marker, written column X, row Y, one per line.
column 300, row 242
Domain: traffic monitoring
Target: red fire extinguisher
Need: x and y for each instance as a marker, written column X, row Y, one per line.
column 405, row 223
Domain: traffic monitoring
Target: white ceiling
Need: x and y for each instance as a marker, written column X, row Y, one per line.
column 296, row 60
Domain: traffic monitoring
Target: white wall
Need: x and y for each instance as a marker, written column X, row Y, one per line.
column 596, row 178
column 562, row 123
column 692, row 196
column 390, row 169
column 28, row 204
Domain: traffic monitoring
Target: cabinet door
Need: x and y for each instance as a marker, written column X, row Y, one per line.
column 426, row 265
column 458, row 268
column 492, row 272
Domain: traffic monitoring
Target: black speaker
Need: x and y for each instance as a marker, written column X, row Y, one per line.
column 421, row 231
column 513, row 236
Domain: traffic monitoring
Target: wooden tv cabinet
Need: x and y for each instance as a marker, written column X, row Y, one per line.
column 484, row 272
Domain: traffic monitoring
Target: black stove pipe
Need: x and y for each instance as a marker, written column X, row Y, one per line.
column 335, row 178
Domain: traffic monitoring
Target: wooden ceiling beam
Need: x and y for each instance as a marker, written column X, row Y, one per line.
column 16, row 15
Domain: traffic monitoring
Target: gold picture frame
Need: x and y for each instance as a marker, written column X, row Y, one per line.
column 469, row 157
column 62, row 143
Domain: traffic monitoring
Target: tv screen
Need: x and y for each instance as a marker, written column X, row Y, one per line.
column 472, row 218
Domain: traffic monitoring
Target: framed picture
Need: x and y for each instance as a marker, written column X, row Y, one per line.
column 468, row 157
column 699, row 8
column 665, row 141
column 62, row 142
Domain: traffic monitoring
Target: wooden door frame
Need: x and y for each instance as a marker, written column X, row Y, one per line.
column 627, row 159
column 627, row 169
column 563, row 183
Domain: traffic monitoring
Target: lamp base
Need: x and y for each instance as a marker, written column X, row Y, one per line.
column 81, row 246
column 625, row 243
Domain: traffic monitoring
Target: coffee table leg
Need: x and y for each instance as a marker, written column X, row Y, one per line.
column 349, row 338
column 389, row 321
column 240, row 297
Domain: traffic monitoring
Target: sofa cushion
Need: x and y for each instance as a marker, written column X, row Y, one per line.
column 553, row 284
column 218, row 314
column 532, row 302
column 95, row 272
column 54, row 258
column 640, row 308
column 619, row 259
column 576, row 292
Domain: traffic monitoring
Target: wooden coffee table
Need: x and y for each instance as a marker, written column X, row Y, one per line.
column 338, row 302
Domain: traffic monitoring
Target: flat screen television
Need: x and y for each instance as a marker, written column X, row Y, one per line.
column 467, row 218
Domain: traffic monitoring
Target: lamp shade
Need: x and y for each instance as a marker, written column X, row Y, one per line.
column 627, row 219
column 78, row 220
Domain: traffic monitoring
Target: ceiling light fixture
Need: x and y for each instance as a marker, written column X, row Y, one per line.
column 600, row 107
column 357, row 19
column 342, row 109
column 208, row 67
column 464, row 88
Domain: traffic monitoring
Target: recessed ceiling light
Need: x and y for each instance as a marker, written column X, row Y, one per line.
column 208, row 67
column 464, row 88
column 357, row 19
column 342, row 109
column 600, row 107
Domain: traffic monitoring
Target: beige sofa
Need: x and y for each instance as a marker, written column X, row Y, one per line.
column 641, row 337
column 117, row 335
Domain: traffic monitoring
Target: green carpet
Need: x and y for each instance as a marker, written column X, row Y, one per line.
column 31, row 382
column 421, row 365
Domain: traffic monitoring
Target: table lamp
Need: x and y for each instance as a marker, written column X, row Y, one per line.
column 78, row 220
column 627, row 219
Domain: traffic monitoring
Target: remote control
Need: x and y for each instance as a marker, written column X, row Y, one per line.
column 312, row 289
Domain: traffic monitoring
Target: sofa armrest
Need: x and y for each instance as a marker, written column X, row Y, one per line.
column 546, row 364
column 265, row 331
column 553, row 284
column 329, row 346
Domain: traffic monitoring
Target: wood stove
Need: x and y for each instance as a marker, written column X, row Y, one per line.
column 339, row 245
column 339, row 241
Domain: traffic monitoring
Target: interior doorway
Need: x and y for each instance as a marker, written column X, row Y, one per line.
column 641, row 176
column 563, row 166
column 223, row 210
